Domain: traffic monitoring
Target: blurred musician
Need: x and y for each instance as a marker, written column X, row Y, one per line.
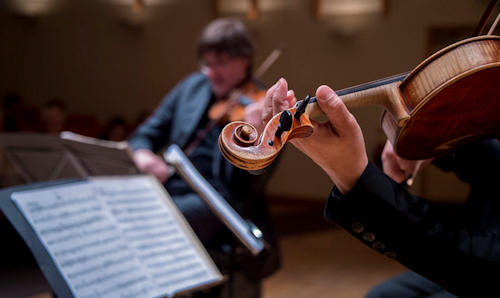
column 225, row 52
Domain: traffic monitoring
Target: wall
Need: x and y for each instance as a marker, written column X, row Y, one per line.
column 94, row 55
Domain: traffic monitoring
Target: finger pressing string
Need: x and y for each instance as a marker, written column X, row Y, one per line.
column 334, row 108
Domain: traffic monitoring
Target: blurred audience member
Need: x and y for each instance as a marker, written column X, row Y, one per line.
column 54, row 116
column 116, row 129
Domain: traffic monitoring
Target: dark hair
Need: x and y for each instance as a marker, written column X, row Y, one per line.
column 228, row 36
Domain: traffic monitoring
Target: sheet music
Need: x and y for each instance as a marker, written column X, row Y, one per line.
column 153, row 230
column 116, row 238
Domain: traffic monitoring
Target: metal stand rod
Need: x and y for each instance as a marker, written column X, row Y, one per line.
column 244, row 230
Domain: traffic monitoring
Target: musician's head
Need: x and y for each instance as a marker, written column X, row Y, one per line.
column 225, row 51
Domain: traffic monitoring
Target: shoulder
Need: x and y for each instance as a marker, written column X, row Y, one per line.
column 195, row 79
column 188, row 87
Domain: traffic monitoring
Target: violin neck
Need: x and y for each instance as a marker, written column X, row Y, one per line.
column 388, row 96
column 373, row 84
column 385, row 93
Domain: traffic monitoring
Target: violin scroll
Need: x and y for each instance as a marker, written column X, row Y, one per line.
column 241, row 144
column 245, row 135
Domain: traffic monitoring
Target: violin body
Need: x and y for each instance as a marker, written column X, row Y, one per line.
column 451, row 98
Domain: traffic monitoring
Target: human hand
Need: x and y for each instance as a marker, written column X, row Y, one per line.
column 277, row 99
column 253, row 114
column 398, row 168
column 150, row 163
column 337, row 146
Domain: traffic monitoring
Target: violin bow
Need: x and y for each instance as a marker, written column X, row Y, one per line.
column 484, row 18
column 264, row 66
column 495, row 23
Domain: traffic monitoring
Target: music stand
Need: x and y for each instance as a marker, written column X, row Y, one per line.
column 41, row 157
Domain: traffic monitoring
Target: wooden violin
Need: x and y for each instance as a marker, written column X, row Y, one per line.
column 451, row 98
column 233, row 108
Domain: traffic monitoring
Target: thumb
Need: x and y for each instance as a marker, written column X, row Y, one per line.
column 279, row 97
column 336, row 111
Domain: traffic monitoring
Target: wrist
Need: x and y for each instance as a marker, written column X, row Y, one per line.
column 346, row 180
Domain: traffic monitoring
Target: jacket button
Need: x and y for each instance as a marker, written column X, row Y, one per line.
column 378, row 246
column 368, row 237
column 358, row 227
column 390, row 254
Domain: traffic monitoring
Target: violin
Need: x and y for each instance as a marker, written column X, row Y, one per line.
column 449, row 99
column 233, row 108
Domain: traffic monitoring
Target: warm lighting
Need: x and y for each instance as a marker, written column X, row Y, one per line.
column 232, row 6
column 276, row 5
column 137, row 6
column 144, row 3
column 327, row 8
column 32, row 8
column 136, row 12
column 237, row 7
column 349, row 16
column 253, row 8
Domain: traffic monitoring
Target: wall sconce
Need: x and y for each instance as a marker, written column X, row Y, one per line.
column 138, row 6
column 348, row 16
column 277, row 5
column 237, row 7
column 134, row 13
column 252, row 8
column 32, row 8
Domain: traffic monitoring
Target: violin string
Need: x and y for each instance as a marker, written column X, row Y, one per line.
column 373, row 84
column 495, row 23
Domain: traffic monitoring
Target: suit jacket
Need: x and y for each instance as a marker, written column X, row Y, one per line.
column 176, row 120
column 457, row 247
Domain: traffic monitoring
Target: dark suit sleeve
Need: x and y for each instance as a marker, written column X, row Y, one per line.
column 382, row 214
column 153, row 133
column 453, row 250
column 476, row 163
